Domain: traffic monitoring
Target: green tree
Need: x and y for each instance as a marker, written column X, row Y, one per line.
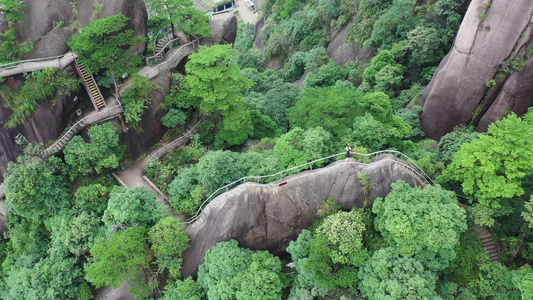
column 186, row 289
column 218, row 168
column 331, row 108
column 120, row 259
column 131, row 207
column 421, row 223
column 394, row 24
column 103, row 152
column 92, row 198
column 135, row 100
column 379, row 107
column 75, row 234
column 181, row 191
column 493, row 166
column 451, row 142
column 34, row 190
column 216, row 81
column 169, row 239
column 337, row 251
column 389, row 275
column 183, row 14
column 105, row 45
column 523, row 280
column 230, row 272
column 297, row 146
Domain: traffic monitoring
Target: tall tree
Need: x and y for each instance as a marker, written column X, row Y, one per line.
column 181, row 13
column 493, row 166
column 169, row 239
column 103, row 152
column 422, row 223
column 121, row 259
column 216, row 81
column 106, row 45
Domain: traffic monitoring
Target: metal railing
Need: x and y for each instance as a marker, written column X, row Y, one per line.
column 69, row 57
column 90, row 119
column 174, row 144
column 256, row 179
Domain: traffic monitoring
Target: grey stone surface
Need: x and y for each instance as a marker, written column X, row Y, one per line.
column 268, row 217
column 459, row 85
column 224, row 29
column 342, row 52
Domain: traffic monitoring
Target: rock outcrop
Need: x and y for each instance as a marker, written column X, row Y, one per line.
column 494, row 36
column 224, row 29
column 269, row 216
column 342, row 52
column 50, row 23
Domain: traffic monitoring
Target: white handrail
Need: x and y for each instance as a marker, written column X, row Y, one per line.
column 418, row 171
column 83, row 122
column 31, row 65
column 167, row 148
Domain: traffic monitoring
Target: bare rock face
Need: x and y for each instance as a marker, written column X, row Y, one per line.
column 492, row 33
column 342, row 52
column 224, row 29
column 268, row 217
column 50, row 23
column 46, row 123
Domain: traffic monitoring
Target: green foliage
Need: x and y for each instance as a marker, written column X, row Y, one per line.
column 169, row 239
column 92, row 198
column 212, row 78
column 75, row 234
column 174, row 117
column 378, row 105
column 494, row 165
column 232, row 272
column 135, row 100
column 218, row 168
column 389, row 275
column 41, row 86
column 451, row 143
column 421, row 223
column 383, row 74
column 120, row 259
column 523, row 280
column 494, row 281
column 181, row 189
column 394, row 24
column 103, row 152
column 263, row 125
column 133, row 207
column 52, row 277
column 336, row 251
column 331, row 108
column 183, row 14
column 297, row 146
column 237, row 127
column 34, row 190
column 325, row 75
column 105, row 45
column 186, row 289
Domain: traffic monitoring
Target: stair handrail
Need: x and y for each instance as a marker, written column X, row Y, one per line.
column 14, row 64
column 415, row 168
column 157, row 39
column 170, row 145
column 81, row 123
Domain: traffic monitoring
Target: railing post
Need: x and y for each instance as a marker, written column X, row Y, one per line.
column 281, row 175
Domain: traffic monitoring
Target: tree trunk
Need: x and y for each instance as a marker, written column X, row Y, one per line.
column 522, row 239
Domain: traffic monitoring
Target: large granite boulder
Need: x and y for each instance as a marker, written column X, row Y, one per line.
column 492, row 34
column 268, row 217
column 50, row 23
column 224, row 30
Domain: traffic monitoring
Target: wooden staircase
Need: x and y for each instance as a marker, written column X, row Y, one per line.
column 488, row 243
column 90, row 85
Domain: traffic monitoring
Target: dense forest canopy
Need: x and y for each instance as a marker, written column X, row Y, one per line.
column 72, row 229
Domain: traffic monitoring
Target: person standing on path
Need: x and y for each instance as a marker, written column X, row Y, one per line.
column 348, row 152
